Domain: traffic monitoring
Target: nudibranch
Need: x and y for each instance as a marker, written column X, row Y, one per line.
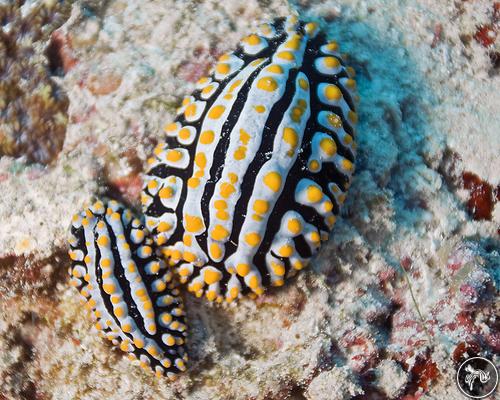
column 130, row 291
column 239, row 197
column 257, row 163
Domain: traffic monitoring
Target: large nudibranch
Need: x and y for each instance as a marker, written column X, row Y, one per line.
column 256, row 166
column 239, row 197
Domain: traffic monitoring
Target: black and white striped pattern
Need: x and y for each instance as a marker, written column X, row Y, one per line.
column 129, row 290
column 256, row 165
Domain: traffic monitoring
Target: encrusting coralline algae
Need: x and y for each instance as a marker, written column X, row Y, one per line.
column 33, row 108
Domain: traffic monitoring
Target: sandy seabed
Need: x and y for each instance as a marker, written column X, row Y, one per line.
column 407, row 286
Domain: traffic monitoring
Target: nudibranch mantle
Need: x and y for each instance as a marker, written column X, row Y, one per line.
column 257, row 163
column 239, row 197
column 130, row 291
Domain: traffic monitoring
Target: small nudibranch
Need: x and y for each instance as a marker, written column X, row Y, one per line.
column 130, row 291
column 257, row 164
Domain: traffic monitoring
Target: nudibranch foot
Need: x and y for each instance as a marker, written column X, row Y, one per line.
column 130, row 291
